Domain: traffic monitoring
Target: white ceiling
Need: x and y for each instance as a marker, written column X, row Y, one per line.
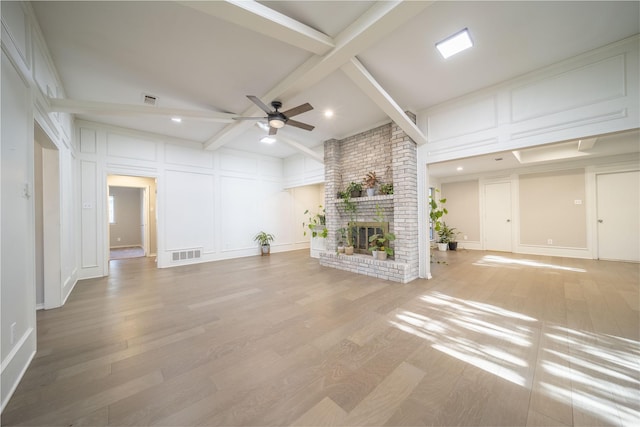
column 208, row 56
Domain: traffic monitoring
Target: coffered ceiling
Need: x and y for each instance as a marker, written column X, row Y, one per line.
column 366, row 61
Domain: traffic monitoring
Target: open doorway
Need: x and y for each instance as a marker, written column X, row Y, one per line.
column 46, row 192
column 131, row 217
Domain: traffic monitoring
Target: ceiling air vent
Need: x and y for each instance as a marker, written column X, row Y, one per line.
column 149, row 99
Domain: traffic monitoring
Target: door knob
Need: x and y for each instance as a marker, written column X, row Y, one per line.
column 600, row 221
column 508, row 220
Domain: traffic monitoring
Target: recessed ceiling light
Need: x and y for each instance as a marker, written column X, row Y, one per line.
column 459, row 168
column 176, row 119
column 268, row 139
column 455, row 44
column 328, row 113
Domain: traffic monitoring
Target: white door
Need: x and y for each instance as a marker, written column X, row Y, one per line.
column 497, row 217
column 619, row 216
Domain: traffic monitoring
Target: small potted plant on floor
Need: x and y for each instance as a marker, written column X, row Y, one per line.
column 370, row 182
column 453, row 239
column 445, row 235
column 264, row 240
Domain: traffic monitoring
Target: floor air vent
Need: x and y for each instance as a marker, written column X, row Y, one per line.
column 188, row 254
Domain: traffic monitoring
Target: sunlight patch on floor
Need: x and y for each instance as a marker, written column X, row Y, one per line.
column 597, row 374
column 491, row 260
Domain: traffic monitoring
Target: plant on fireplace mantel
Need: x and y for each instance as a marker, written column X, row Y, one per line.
column 354, row 189
column 370, row 181
column 386, row 188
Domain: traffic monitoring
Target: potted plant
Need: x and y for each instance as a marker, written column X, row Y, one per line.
column 264, row 240
column 446, row 234
column 386, row 188
column 436, row 212
column 316, row 223
column 352, row 209
column 354, row 189
column 370, row 181
column 380, row 243
column 453, row 243
column 341, row 233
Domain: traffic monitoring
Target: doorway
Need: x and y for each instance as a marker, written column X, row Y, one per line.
column 497, row 217
column 132, row 217
column 46, row 191
column 618, row 215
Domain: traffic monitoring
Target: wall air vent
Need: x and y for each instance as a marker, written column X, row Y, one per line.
column 149, row 99
column 186, row 254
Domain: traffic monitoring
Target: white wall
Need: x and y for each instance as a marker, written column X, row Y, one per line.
column 300, row 170
column 212, row 201
column 27, row 74
column 126, row 230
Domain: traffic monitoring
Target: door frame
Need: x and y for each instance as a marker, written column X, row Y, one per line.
column 512, row 180
column 592, row 173
column 145, row 190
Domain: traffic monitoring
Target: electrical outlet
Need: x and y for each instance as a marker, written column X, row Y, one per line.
column 549, row 241
column 577, row 202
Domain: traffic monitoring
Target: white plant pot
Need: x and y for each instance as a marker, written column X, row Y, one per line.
column 318, row 244
column 382, row 255
column 374, row 254
column 443, row 246
column 371, row 192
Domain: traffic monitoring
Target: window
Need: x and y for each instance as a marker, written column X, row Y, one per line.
column 112, row 212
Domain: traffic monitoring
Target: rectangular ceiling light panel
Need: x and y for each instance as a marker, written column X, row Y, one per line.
column 455, row 44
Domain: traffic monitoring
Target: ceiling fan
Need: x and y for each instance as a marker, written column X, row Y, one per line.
column 278, row 119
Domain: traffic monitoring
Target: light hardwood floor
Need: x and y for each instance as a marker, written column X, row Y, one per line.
column 493, row 339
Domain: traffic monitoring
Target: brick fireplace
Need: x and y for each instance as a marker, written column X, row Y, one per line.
column 389, row 152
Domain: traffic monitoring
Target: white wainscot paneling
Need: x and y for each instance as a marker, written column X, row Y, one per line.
column 463, row 119
column 130, row 147
column 189, row 210
column 89, row 219
column 235, row 163
column 241, row 212
column 14, row 22
column 271, row 167
column 177, row 155
column 572, row 89
column 275, row 213
column 87, row 141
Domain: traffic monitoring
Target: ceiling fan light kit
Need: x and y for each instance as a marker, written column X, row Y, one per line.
column 277, row 119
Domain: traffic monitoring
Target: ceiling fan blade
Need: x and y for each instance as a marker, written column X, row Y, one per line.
column 272, row 130
column 299, row 125
column 260, row 104
column 249, row 118
column 298, row 110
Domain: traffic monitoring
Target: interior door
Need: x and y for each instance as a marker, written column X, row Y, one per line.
column 497, row 218
column 619, row 216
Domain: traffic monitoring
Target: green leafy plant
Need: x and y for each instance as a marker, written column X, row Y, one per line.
column 263, row 238
column 316, row 223
column 354, row 189
column 446, row 234
column 380, row 242
column 437, row 211
column 386, row 188
column 351, row 208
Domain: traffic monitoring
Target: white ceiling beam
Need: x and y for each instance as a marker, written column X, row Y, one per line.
column 380, row 20
column 264, row 20
column 365, row 81
column 302, row 149
column 104, row 108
